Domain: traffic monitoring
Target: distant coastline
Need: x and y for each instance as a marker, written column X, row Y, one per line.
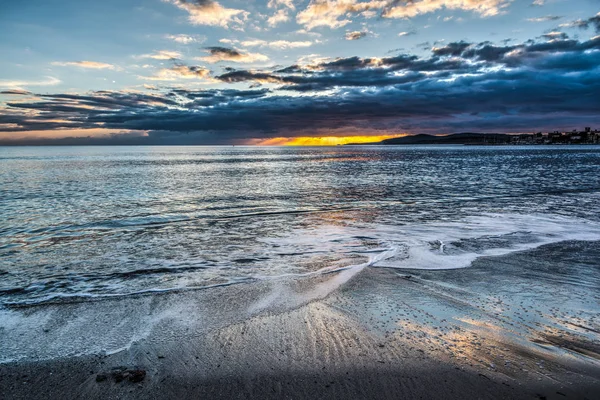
column 587, row 136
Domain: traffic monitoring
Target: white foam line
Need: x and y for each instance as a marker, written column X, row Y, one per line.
column 543, row 230
column 321, row 290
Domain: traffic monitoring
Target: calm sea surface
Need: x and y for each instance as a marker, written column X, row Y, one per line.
column 102, row 221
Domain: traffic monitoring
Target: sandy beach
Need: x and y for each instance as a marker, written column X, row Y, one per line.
column 516, row 326
column 285, row 199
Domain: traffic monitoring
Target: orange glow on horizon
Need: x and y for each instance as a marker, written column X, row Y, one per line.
column 319, row 140
column 64, row 133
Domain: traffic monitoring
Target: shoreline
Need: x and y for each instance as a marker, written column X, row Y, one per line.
column 498, row 329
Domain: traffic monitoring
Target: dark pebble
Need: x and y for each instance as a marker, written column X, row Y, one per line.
column 119, row 375
column 137, row 375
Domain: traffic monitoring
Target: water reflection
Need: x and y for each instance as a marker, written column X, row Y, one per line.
column 79, row 220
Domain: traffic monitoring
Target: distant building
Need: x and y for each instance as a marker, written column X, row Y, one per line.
column 587, row 136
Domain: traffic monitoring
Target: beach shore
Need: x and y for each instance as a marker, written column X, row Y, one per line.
column 524, row 325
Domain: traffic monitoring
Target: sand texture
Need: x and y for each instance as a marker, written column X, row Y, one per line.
column 524, row 325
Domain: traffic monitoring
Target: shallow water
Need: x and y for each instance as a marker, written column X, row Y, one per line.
column 98, row 221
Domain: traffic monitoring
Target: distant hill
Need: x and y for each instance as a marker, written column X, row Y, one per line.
column 455, row 138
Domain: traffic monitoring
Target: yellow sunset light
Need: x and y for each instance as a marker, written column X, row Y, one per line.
column 319, row 141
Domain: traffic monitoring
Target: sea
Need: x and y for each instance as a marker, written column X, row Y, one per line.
column 78, row 223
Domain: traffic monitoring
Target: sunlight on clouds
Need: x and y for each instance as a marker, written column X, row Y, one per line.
column 356, row 35
column 286, row 3
column 68, row 133
column 311, row 61
column 264, row 85
column 186, row 39
column 162, row 55
column 284, row 44
column 277, row 44
column 485, row 8
column 545, row 18
column 210, row 12
column 218, row 54
column 84, row 64
column 16, row 92
column 17, row 84
column 278, row 17
column 337, row 13
column 180, row 72
column 328, row 13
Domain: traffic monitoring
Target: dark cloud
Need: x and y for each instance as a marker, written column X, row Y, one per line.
column 243, row 76
column 352, row 72
column 346, row 63
column 199, row 3
column 522, row 53
column 451, row 49
column 219, row 53
column 355, row 35
column 224, row 51
column 545, row 18
column 16, row 92
column 555, row 35
column 593, row 22
column 487, row 52
column 536, row 85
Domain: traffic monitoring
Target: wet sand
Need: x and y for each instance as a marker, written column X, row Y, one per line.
column 525, row 325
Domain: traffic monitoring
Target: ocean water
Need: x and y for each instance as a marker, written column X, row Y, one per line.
column 79, row 222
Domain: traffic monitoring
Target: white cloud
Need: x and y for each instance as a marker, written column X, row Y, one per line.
column 284, row 44
column 334, row 13
column 285, row 3
column 305, row 32
column 15, row 84
column 554, row 35
column 84, row 64
column 407, row 33
column 369, row 14
column 312, row 60
column 485, row 8
column 162, row 55
column 276, row 44
column 338, row 13
column 278, row 17
column 210, row 12
column 544, row 18
column 180, row 72
column 186, row 39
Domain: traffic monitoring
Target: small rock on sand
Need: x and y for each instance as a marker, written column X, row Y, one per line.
column 120, row 374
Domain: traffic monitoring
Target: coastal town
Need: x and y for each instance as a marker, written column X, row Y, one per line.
column 587, row 136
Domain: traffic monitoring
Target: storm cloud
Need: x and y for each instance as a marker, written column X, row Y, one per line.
column 547, row 83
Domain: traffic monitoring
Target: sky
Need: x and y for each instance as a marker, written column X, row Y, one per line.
column 298, row 72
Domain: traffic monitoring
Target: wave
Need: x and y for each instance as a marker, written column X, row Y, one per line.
column 62, row 298
column 70, row 231
column 452, row 245
column 446, row 244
